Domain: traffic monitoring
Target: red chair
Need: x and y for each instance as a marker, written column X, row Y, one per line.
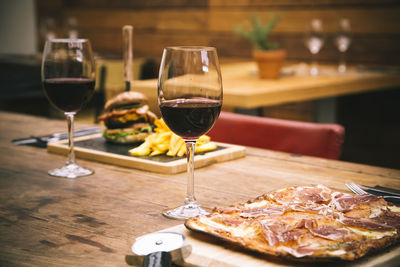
column 306, row 138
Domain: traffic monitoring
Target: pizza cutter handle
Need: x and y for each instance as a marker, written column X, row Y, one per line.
column 158, row 259
column 127, row 32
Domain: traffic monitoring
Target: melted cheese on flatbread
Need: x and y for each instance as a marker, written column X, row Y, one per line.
column 395, row 209
column 372, row 234
column 257, row 204
column 241, row 231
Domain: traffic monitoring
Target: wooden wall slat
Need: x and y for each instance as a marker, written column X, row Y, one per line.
column 137, row 4
column 301, row 3
column 146, row 44
column 364, row 50
column 385, row 20
column 172, row 19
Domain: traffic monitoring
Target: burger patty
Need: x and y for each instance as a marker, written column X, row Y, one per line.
column 120, row 123
column 118, row 119
column 117, row 113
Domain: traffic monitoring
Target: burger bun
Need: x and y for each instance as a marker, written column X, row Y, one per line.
column 126, row 98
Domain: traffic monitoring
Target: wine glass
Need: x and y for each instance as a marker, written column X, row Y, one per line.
column 68, row 76
column 190, row 100
column 343, row 42
column 314, row 41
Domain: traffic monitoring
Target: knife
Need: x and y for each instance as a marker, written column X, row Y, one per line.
column 381, row 190
column 54, row 137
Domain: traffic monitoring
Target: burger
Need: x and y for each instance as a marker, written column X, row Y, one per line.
column 127, row 118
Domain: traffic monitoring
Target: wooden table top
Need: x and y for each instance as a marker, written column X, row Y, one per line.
column 94, row 220
column 243, row 88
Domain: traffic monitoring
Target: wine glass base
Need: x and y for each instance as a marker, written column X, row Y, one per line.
column 185, row 212
column 342, row 68
column 314, row 71
column 70, row 171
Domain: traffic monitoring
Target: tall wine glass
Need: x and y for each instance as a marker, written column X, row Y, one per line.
column 68, row 76
column 314, row 41
column 343, row 42
column 190, row 100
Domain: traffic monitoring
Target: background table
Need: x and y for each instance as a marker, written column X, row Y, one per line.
column 94, row 220
column 244, row 89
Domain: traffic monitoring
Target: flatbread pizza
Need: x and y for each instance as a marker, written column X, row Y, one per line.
column 306, row 222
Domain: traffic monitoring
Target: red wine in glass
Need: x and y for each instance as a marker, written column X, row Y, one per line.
column 69, row 94
column 190, row 118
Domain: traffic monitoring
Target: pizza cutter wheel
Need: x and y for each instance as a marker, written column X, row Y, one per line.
column 159, row 250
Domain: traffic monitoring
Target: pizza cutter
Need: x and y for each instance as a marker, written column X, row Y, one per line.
column 159, row 250
column 127, row 32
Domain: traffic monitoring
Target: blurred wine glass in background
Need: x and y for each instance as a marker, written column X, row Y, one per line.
column 314, row 41
column 343, row 41
column 71, row 26
column 48, row 28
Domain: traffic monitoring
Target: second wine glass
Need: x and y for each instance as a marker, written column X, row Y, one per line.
column 343, row 42
column 314, row 41
column 190, row 100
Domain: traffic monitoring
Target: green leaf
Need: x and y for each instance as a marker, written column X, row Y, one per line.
column 258, row 34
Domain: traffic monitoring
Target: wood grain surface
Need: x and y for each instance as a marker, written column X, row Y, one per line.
column 94, row 220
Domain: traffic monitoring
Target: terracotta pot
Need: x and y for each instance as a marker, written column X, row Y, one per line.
column 269, row 62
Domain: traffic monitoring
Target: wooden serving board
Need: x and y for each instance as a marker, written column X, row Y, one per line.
column 94, row 147
column 209, row 251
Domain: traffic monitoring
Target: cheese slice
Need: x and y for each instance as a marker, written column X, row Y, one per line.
column 395, row 209
column 372, row 234
column 241, row 231
column 257, row 204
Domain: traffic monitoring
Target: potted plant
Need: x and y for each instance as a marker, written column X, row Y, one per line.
column 268, row 55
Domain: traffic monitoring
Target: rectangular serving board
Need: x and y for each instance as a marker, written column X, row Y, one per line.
column 94, row 147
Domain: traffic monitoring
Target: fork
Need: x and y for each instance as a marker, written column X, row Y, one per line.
column 359, row 191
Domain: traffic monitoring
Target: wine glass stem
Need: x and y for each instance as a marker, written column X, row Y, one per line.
column 314, row 64
column 342, row 62
column 190, row 146
column 70, row 122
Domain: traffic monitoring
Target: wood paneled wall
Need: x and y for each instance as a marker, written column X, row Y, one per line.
column 159, row 23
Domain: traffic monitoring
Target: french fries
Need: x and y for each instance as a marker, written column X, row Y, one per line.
column 165, row 141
